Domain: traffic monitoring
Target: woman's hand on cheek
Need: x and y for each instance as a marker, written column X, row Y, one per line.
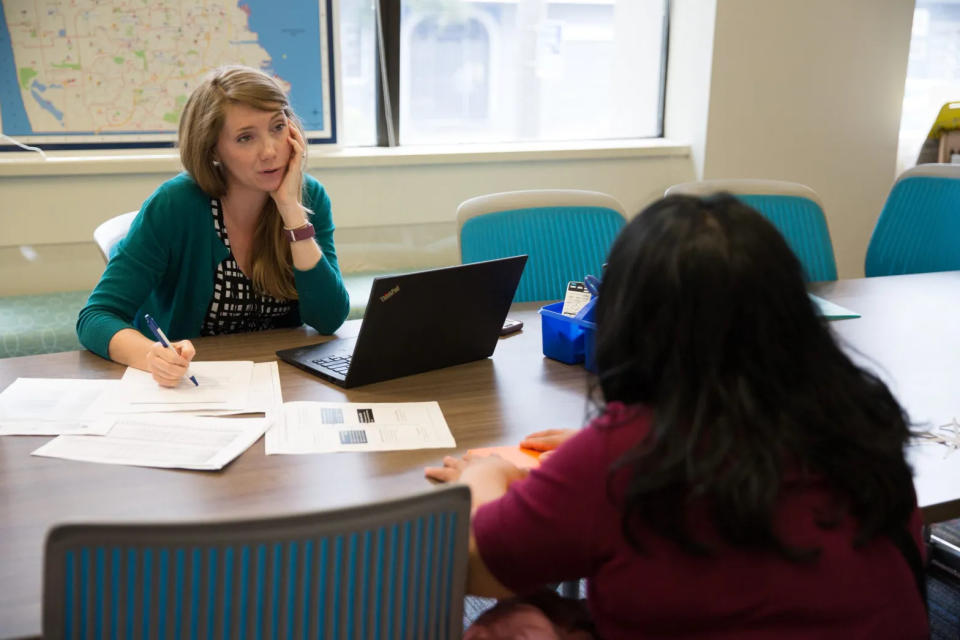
column 287, row 195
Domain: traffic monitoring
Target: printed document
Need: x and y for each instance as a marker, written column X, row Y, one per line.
column 162, row 440
column 53, row 406
column 264, row 395
column 223, row 385
column 325, row 427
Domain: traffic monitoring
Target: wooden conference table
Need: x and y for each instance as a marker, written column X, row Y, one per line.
column 907, row 333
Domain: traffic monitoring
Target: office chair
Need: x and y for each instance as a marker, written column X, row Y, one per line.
column 566, row 233
column 390, row 569
column 918, row 230
column 109, row 233
column 794, row 209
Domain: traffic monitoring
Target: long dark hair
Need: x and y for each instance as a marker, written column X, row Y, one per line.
column 703, row 315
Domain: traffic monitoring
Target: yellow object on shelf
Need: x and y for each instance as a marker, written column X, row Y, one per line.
column 943, row 141
column 947, row 120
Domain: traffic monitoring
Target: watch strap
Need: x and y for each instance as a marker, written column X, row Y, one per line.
column 300, row 233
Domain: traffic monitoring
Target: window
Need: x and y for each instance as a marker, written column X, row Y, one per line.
column 358, row 53
column 504, row 70
column 448, row 75
column 933, row 73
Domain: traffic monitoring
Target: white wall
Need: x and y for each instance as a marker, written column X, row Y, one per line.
column 811, row 92
column 690, row 65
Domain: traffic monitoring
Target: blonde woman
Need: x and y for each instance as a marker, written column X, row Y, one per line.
column 242, row 241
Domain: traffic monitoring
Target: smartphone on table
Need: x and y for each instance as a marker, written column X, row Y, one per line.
column 510, row 326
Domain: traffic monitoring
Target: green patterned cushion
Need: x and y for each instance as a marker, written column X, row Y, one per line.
column 40, row 323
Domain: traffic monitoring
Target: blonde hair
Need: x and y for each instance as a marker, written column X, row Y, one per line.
column 200, row 125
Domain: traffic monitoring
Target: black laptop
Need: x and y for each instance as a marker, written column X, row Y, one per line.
column 418, row 322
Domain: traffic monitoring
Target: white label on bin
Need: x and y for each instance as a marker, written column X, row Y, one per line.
column 577, row 297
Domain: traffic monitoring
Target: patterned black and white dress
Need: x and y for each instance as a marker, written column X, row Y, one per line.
column 235, row 306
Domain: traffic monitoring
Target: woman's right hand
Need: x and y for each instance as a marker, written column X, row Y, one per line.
column 166, row 367
column 547, row 440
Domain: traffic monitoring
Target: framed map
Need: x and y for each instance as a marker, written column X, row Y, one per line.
column 116, row 73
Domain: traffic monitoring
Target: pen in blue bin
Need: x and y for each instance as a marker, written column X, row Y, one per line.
column 162, row 339
column 592, row 283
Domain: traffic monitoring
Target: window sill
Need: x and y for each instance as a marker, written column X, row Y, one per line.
column 63, row 163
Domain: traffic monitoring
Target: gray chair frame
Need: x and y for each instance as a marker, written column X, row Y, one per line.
column 933, row 170
column 746, row 186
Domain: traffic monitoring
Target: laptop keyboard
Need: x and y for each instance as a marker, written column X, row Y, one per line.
column 338, row 364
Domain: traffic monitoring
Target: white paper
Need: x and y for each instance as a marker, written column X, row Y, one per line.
column 264, row 395
column 222, row 385
column 53, row 406
column 325, row 427
column 162, row 440
column 97, row 427
column 576, row 299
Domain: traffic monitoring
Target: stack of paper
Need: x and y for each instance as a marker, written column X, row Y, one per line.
column 154, row 440
column 136, row 422
column 222, row 386
column 133, row 421
column 50, row 406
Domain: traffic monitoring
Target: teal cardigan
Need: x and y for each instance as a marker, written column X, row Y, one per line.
column 166, row 266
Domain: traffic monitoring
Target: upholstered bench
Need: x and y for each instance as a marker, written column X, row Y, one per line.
column 42, row 323
column 46, row 323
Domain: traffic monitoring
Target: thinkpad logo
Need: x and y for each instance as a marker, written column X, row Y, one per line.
column 390, row 294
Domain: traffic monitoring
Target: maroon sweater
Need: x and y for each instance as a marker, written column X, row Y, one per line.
column 558, row 524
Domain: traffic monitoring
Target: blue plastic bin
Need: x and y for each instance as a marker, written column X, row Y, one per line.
column 569, row 340
column 589, row 344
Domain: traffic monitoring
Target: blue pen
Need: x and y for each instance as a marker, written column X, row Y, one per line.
column 592, row 283
column 162, row 339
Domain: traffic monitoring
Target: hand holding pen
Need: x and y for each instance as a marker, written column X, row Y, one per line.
column 168, row 361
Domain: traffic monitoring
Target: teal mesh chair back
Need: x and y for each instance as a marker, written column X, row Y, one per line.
column 394, row 569
column 795, row 211
column 802, row 223
column 565, row 233
column 918, row 230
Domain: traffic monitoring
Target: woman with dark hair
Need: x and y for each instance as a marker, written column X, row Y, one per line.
column 743, row 479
